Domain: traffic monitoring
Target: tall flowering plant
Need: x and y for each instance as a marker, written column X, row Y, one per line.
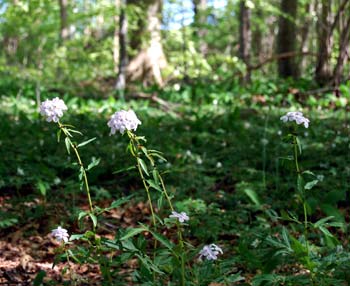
column 294, row 120
column 127, row 122
column 53, row 110
column 305, row 252
column 100, row 250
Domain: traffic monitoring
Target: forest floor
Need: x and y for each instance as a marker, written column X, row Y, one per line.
column 225, row 167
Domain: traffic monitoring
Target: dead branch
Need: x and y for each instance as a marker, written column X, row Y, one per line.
column 164, row 105
column 281, row 56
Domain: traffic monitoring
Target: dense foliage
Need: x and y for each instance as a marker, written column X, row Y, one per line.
column 161, row 142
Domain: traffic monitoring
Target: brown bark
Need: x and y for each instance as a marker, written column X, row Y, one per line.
column 286, row 38
column 123, row 56
column 116, row 36
column 245, row 37
column 304, row 34
column 323, row 68
column 150, row 60
column 200, row 18
column 64, row 29
column 257, row 37
column 343, row 54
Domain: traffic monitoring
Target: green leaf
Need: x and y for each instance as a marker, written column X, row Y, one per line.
column 299, row 144
column 94, row 163
column 162, row 239
column 68, row 144
column 86, row 142
column 325, row 231
column 82, row 215
column 124, row 170
column 93, row 218
column 76, row 237
column 286, row 237
column 159, row 156
column 253, row 196
column 42, row 187
column 72, row 255
column 119, row 202
column 300, row 184
column 81, row 174
column 39, row 278
column 310, row 185
column 322, row 221
column 307, row 172
column 143, row 165
column 153, row 185
column 132, row 232
column 145, row 151
column 59, row 132
column 156, row 175
column 75, row 131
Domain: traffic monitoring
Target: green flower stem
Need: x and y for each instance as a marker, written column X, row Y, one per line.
column 84, row 175
column 147, row 191
column 295, row 143
column 134, row 152
column 69, row 266
column 80, row 163
column 179, row 233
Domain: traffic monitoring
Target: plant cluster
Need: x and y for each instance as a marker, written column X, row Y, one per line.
column 173, row 259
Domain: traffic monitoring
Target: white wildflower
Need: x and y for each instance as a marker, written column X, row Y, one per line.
column 218, row 165
column 60, row 234
column 296, row 116
column 53, row 109
column 182, row 217
column 264, row 141
column 210, row 252
column 177, row 86
column 188, row 153
column 199, row 160
column 20, row 171
column 123, row 120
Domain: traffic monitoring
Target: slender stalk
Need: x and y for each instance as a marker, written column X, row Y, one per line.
column 179, row 233
column 148, row 192
column 84, row 175
column 295, row 143
column 80, row 163
column 135, row 153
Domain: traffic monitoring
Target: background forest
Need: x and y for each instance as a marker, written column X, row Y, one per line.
column 210, row 81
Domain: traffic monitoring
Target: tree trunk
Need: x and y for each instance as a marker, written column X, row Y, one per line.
column 257, row 37
column 64, row 30
column 343, row 54
column 245, row 37
column 199, row 7
column 150, row 60
column 323, row 68
column 123, row 56
column 286, row 38
column 304, row 34
column 116, row 35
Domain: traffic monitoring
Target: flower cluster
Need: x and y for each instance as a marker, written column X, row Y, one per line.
column 123, row 120
column 182, row 217
column 53, row 109
column 296, row 116
column 60, row 234
column 210, row 252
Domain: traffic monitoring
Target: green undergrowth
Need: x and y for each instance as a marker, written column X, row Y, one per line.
column 230, row 169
